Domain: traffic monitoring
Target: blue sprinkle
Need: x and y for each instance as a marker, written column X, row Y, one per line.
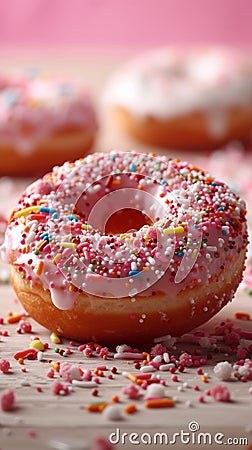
column 163, row 182
column 196, row 226
column 134, row 272
column 113, row 157
column 44, row 236
column 132, row 167
column 73, row 218
column 220, row 208
column 215, row 184
column 180, row 253
column 223, row 232
column 55, row 215
column 47, row 210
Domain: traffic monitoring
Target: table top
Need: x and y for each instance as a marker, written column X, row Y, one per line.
column 43, row 420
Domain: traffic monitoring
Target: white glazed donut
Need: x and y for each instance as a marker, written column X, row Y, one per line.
column 44, row 121
column 126, row 247
column 194, row 98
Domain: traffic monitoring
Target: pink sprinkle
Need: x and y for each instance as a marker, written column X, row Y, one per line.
column 131, row 391
column 199, row 371
column 174, row 378
column 158, row 349
column 7, row 400
column 186, row 360
column 32, row 434
column 242, row 353
column 220, row 393
column 4, row 365
column 102, row 443
column 50, row 373
column 59, row 389
column 25, row 326
column 88, row 352
column 201, row 399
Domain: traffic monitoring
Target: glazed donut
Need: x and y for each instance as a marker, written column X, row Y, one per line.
column 126, row 247
column 186, row 99
column 44, row 121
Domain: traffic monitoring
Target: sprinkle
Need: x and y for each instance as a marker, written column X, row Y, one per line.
column 55, row 338
column 155, row 391
column 4, row 365
column 84, row 384
column 112, row 412
column 97, row 406
column 130, row 409
column 30, row 353
column 223, row 370
column 220, row 393
column 39, row 268
column 14, row 318
column 57, row 258
column 147, row 369
column 242, row 316
column 7, row 400
column 47, row 210
column 37, row 344
column 128, row 355
column 159, row 403
column 26, row 211
column 204, row 378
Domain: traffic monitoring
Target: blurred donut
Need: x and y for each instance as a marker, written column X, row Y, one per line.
column 44, row 121
column 198, row 98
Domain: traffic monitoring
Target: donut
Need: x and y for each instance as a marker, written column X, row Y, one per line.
column 125, row 247
column 44, row 121
column 196, row 99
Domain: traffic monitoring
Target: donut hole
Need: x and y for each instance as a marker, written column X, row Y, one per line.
column 125, row 220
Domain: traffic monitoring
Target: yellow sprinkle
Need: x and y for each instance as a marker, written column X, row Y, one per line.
column 116, row 182
column 194, row 253
column 55, row 366
column 55, row 339
column 68, row 245
column 168, row 230
column 36, row 343
column 179, row 230
column 25, row 211
column 56, row 258
column 41, row 243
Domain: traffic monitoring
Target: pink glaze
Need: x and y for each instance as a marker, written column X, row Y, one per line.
column 34, row 106
column 171, row 82
column 198, row 228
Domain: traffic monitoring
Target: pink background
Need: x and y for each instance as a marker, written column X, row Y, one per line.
column 124, row 23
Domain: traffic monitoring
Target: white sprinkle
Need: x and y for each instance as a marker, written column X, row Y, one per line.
column 128, row 355
column 112, row 412
column 151, row 260
column 147, row 369
column 166, row 357
column 84, row 384
column 69, row 445
column 155, row 391
column 165, row 367
column 157, row 359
